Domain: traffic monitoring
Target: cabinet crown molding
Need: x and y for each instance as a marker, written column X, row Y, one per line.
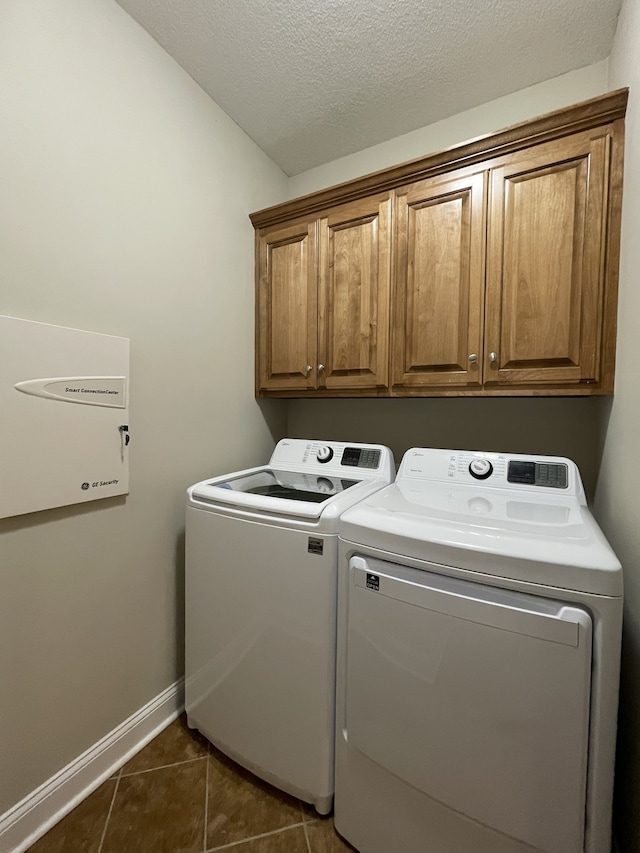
column 554, row 125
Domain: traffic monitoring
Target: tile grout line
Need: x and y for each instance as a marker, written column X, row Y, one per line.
column 304, row 825
column 306, row 835
column 254, row 838
column 162, row 766
column 106, row 823
column 206, row 804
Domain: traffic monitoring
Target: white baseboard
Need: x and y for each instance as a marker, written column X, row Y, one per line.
column 22, row 825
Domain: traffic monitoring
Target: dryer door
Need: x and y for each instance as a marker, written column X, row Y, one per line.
column 476, row 696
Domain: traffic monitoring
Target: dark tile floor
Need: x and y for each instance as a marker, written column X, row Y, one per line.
column 181, row 795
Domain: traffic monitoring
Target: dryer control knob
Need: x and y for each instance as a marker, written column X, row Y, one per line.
column 481, row 469
column 324, row 454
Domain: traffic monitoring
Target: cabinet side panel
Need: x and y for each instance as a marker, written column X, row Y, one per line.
column 594, row 264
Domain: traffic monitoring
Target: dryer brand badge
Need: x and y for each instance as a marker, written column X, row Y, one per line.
column 373, row 582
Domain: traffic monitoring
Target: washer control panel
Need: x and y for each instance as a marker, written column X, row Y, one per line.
column 352, row 457
column 334, row 458
column 360, row 457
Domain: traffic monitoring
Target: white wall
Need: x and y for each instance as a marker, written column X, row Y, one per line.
column 567, row 427
column 616, row 503
column 125, row 195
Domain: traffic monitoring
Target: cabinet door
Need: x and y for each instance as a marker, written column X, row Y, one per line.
column 545, row 263
column 354, row 276
column 286, row 308
column 438, row 300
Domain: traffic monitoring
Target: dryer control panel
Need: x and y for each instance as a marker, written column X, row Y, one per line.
column 501, row 470
column 551, row 474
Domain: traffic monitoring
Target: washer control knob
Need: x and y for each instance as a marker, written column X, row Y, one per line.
column 324, row 454
column 481, row 469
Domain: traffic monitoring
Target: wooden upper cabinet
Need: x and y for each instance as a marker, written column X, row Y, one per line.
column 286, row 318
column 489, row 268
column 354, row 276
column 439, row 282
column 323, row 300
column 546, row 262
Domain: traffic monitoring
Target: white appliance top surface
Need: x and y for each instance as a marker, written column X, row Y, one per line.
column 305, row 480
column 520, row 517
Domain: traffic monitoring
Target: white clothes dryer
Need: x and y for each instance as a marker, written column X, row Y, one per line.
column 261, row 579
column 479, row 628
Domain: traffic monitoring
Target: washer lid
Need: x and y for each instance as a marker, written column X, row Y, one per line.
column 267, row 489
column 306, row 481
column 537, row 538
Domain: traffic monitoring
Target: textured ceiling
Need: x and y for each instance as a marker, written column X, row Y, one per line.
column 313, row 80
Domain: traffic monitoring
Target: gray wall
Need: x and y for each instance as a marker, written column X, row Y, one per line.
column 616, row 503
column 125, row 194
column 563, row 427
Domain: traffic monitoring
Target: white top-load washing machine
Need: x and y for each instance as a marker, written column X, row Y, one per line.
column 261, row 578
column 479, row 626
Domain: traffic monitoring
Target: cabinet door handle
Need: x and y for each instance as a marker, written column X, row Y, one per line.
column 473, row 358
column 493, row 356
column 309, row 368
column 320, row 368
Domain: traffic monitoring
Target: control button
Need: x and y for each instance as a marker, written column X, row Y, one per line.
column 480, row 469
column 324, row 454
column 552, row 475
column 369, row 459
